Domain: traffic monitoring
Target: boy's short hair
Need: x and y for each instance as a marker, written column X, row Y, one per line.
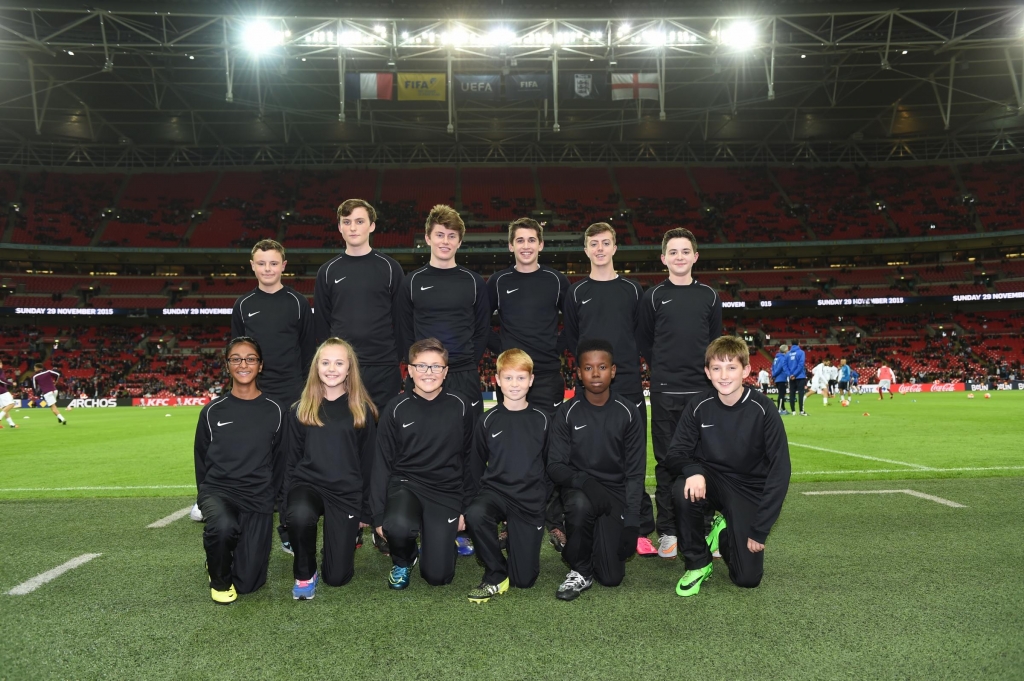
column 594, row 345
column 727, row 348
column 598, row 228
column 447, row 217
column 514, row 359
column 524, row 223
column 678, row 233
column 349, row 205
column 427, row 345
column 783, row 348
column 268, row 245
column 38, row 367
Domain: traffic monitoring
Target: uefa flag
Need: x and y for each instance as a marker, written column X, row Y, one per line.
column 634, row 86
column 420, row 87
column 369, row 85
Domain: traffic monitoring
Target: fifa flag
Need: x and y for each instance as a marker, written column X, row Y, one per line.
column 369, row 85
column 634, row 86
column 421, row 87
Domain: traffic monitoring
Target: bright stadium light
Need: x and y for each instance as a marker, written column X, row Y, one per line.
column 259, row 36
column 500, row 37
column 741, row 35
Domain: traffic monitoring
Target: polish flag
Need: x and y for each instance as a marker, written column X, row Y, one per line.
column 376, row 85
column 634, row 86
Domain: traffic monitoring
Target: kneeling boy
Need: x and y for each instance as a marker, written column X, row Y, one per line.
column 421, row 481
column 596, row 456
column 509, row 445
column 730, row 450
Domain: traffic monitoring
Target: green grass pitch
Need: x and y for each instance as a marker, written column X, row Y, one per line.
column 856, row 586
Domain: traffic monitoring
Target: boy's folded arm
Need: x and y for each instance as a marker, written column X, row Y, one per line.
column 559, row 445
column 777, row 482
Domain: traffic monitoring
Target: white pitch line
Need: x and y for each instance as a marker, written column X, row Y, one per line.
column 913, row 493
column 167, row 520
column 50, row 575
column 966, row 469
column 92, row 489
column 863, row 456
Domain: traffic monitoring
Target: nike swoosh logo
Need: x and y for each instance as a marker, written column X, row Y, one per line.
column 512, row 291
column 424, row 288
column 557, row 403
column 707, row 425
column 666, row 302
column 255, row 313
column 225, row 423
column 406, row 425
column 586, row 301
column 338, row 280
column 578, row 427
column 541, row 527
column 639, row 404
column 452, row 520
column 473, row 404
column 351, row 517
column 497, row 434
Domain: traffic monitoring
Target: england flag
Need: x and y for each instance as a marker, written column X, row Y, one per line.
column 634, row 86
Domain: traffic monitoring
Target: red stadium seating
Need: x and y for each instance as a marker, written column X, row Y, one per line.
column 63, row 208
column 835, row 202
column 245, row 207
column 498, row 193
column 998, row 194
column 749, row 207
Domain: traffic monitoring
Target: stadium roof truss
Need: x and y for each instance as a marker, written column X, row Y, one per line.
column 124, row 87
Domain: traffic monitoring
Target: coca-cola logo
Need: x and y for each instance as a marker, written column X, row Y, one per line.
column 910, row 388
column 943, row 387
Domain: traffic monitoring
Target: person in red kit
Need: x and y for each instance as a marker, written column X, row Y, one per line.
column 885, row 380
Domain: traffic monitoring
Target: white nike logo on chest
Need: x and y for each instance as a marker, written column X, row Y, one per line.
column 255, row 313
column 424, row 288
column 512, row 291
column 578, row 427
column 340, row 280
column 225, row 423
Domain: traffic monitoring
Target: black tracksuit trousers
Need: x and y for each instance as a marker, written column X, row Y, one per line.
column 524, row 537
column 412, row 511
column 666, row 410
column 592, row 540
column 341, row 524
column 237, row 544
column 739, row 509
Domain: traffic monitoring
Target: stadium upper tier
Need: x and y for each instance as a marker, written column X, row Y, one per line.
column 980, row 277
column 220, row 209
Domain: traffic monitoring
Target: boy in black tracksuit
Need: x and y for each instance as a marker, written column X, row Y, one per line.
column 331, row 440
column 236, row 450
column 678, row 319
column 509, row 445
column 421, row 480
column 596, row 456
column 446, row 301
column 730, row 450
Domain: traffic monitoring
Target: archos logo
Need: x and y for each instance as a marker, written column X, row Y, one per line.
column 90, row 403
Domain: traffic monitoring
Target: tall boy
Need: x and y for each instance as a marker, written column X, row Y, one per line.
column 279, row 318
column 605, row 305
column 678, row 319
column 597, row 456
column 730, row 452
column 528, row 298
column 43, row 382
column 509, row 445
column 446, row 301
column 422, row 481
column 356, row 298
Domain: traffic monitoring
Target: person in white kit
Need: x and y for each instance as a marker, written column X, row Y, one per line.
column 819, row 380
column 886, row 378
column 6, row 399
column 43, row 384
column 762, row 380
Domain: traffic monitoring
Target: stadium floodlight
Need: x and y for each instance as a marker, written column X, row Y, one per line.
column 741, row 35
column 500, row 37
column 656, row 38
column 259, row 36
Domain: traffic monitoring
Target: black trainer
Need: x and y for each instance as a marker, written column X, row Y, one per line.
column 573, row 586
column 381, row 544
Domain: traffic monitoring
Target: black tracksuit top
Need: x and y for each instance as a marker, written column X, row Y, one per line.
column 335, row 459
column 356, row 298
column 607, row 310
column 509, row 451
column 282, row 323
column 677, row 323
column 426, row 442
column 450, row 305
column 606, row 443
column 237, row 449
column 528, row 305
column 744, row 445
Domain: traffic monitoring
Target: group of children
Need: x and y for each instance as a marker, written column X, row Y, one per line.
column 421, row 466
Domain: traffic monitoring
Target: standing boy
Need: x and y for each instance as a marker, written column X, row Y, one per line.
column 43, row 384
column 678, row 319
column 509, row 446
column 729, row 451
column 605, row 305
column 528, row 298
column 780, row 373
column 796, row 367
column 422, row 481
column 597, row 458
column 446, row 301
column 6, row 399
column 356, row 299
column 280, row 320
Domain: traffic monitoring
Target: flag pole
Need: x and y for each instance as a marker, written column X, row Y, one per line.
column 554, row 76
column 341, row 78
